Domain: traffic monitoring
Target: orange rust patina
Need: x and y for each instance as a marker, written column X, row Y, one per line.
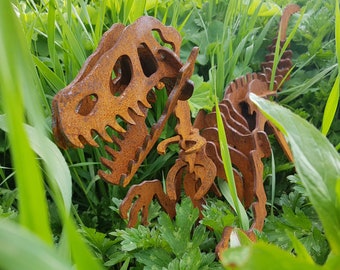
column 115, row 88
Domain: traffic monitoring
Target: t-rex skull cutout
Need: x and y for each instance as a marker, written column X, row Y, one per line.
column 115, row 89
column 95, row 101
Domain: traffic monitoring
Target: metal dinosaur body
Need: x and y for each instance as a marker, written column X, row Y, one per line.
column 115, row 89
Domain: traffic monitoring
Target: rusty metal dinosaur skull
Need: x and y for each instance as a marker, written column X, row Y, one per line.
column 114, row 90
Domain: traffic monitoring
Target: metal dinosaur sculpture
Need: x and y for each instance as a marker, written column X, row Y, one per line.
column 115, row 88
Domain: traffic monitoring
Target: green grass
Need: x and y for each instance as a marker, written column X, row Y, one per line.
column 16, row 81
column 55, row 213
column 333, row 98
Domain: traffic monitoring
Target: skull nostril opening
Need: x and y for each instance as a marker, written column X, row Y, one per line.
column 86, row 105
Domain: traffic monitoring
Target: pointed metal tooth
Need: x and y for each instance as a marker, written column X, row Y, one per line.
column 127, row 117
column 75, row 141
column 106, row 162
column 103, row 134
column 89, row 140
column 118, row 142
column 108, row 177
column 138, row 111
column 102, row 174
column 233, row 86
column 117, row 127
column 122, row 180
column 146, row 141
column 110, row 151
column 130, row 165
column 145, row 102
column 138, row 152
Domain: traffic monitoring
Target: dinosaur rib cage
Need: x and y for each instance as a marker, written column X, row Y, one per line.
column 245, row 129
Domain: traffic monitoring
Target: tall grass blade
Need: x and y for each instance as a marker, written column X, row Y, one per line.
column 317, row 163
column 99, row 23
column 237, row 205
column 33, row 212
column 23, row 250
column 303, row 88
column 137, row 10
column 53, row 161
column 15, row 79
column 127, row 6
column 273, row 185
column 331, row 106
column 85, row 13
column 51, row 77
column 276, row 59
column 333, row 98
column 81, row 254
column 337, row 31
column 51, row 39
column 74, row 45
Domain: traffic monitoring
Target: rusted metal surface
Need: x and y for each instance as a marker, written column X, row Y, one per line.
column 94, row 101
column 115, row 89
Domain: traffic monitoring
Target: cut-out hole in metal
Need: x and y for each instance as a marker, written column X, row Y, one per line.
column 121, row 75
column 86, row 105
column 147, row 60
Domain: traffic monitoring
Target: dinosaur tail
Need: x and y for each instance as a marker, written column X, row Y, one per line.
column 287, row 13
column 285, row 63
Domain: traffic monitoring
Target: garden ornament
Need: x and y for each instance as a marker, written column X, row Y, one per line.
column 116, row 87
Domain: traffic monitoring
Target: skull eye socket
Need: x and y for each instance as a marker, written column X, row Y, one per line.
column 147, row 60
column 121, row 75
column 86, row 105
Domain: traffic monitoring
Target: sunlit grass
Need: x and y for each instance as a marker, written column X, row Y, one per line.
column 17, row 80
column 334, row 96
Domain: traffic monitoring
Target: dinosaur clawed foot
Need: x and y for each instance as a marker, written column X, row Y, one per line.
column 138, row 199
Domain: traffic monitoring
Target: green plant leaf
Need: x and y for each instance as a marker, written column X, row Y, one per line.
column 333, row 261
column 137, row 10
column 217, row 215
column 331, row 106
column 229, row 191
column 178, row 233
column 333, row 98
column 317, row 163
column 202, row 96
column 20, row 249
column 53, row 160
column 266, row 9
column 264, row 256
column 294, row 92
column 155, row 258
column 298, row 219
column 80, row 252
column 16, row 81
column 300, row 249
column 337, row 31
column 54, row 163
column 54, row 81
column 140, row 237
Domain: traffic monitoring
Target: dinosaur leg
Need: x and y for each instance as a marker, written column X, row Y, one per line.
column 144, row 194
